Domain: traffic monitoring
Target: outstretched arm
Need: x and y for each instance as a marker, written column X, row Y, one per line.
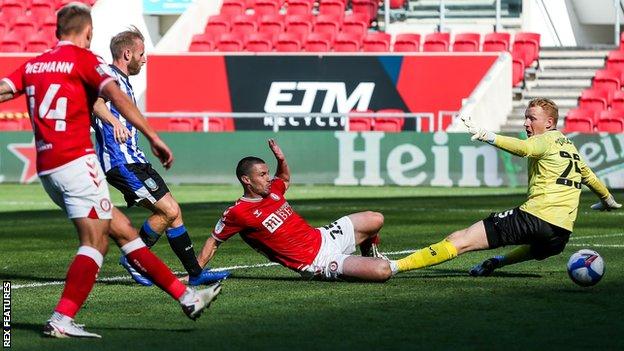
column 112, row 92
column 282, row 171
column 607, row 202
column 102, row 112
column 208, row 251
column 6, row 93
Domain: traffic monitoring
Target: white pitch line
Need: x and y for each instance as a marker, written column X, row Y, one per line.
column 597, row 245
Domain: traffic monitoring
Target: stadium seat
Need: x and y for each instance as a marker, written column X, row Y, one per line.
column 288, row 42
column 497, row 41
column 611, row 121
column 376, row 42
column 24, row 28
column 347, row 42
column 259, row 42
column 359, row 124
column 37, row 43
column 581, row 125
column 3, row 29
column 49, row 26
column 615, row 60
column 332, row 7
column 217, row 125
column 329, row 24
column 578, row 113
column 529, row 44
column 407, row 42
column 181, row 125
column 467, row 42
column 271, row 24
column 517, row 70
column 389, row 124
column 217, row 24
column 366, row 7
column 595, row 100
column 318, row 42
column 244, row 24
column 202, row 42
column 11, row 11
column 10, row 124
column 233, row 7
column 266, row 7
column 618, row 100
column 11, row 43
column 230, row 42
column 358, row 28
column 299, row 7
column 397, row 4
column 437, row 42
column 40, row 10
column 300, row 24
column 607, row 80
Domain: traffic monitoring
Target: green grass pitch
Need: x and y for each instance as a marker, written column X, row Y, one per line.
column 525, row 307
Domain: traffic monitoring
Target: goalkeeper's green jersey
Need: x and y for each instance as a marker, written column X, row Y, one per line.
column 556, row 172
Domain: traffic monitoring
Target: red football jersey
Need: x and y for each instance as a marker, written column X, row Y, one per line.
column 272, row 227
column 61, row 86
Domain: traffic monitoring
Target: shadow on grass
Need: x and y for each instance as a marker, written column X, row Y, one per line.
column 38, row 328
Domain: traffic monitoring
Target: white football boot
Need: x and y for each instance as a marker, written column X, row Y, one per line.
column 195, row 301
column 60, row 326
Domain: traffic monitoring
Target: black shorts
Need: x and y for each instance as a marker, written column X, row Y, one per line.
column 516, row 227
column 137, row 181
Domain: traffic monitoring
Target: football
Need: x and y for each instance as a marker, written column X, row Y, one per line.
column 586, row 267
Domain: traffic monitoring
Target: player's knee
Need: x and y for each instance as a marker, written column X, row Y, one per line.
column 384, row 272
column 375, row 219
column 170, row 211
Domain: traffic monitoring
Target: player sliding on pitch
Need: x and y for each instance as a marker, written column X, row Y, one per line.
column 543, row 224
column 268, row 224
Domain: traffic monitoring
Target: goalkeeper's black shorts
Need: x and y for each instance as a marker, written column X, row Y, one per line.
column 516, row 227
column 137, row 182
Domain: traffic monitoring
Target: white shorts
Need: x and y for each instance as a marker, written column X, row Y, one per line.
column 80, row 189
column 338, row 243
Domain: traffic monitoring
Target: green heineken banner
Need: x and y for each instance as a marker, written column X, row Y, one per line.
column 341, row 158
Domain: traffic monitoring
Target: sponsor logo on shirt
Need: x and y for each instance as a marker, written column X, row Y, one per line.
column 257, row 213
column 277, row 218
column 274, row 197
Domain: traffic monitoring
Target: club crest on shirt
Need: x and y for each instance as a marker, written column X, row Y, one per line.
column 274, row 196
column 257, row 213
column 151, row 184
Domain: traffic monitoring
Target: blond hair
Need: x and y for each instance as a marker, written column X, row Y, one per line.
column 548, row 106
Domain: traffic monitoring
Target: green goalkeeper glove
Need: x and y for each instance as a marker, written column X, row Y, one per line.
column 478, row 133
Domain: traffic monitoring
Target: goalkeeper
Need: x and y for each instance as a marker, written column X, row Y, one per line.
column 543, row 224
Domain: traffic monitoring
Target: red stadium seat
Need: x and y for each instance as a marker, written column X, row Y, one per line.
column 217, row 125
column 271, row 24
column 467, row 42
column 579, row 113
column 377, row 42
column 288, row 42
column 318, row 42
column 611, row 121
column 244, row 24
column 49, row 26
column 389, row 124
column 329, row 24
column 366, row 7
column 24, row 27
column 267, row 7
column 40, row 10
column 202, row 42
column 517, row 70
column 11, row 11
column 494, row 42
column 407, row 42
column 181, row 125
column 529, row 45
column 230, row 42
column 3, row 29
column 347, row 42
column 299, row 7
column 397, row 4
column 359, row 124
column 618, row 100
column 607, row 80
column 10, row 124
column 595, row 100
column 355, row 25
column 581, row 125
column 300, row 24
column 259, row 42
column 233, row 7
column 37, row 43
column 11, row 43
column 615, row 60
column 218, row 24
column 332, row 7
column 437, row 42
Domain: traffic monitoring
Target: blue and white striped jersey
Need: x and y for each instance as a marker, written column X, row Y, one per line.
column 110, row 153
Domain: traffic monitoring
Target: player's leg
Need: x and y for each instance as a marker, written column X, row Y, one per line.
column 366, row 226
column 144, row 261
column 366, row 268
column 464, row 240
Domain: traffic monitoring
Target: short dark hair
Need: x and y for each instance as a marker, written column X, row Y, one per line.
column 124, row 40
column 72, row 19
column 245, row 165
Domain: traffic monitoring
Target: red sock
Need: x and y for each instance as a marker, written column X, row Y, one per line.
column 144, row 261
column 79, row 281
